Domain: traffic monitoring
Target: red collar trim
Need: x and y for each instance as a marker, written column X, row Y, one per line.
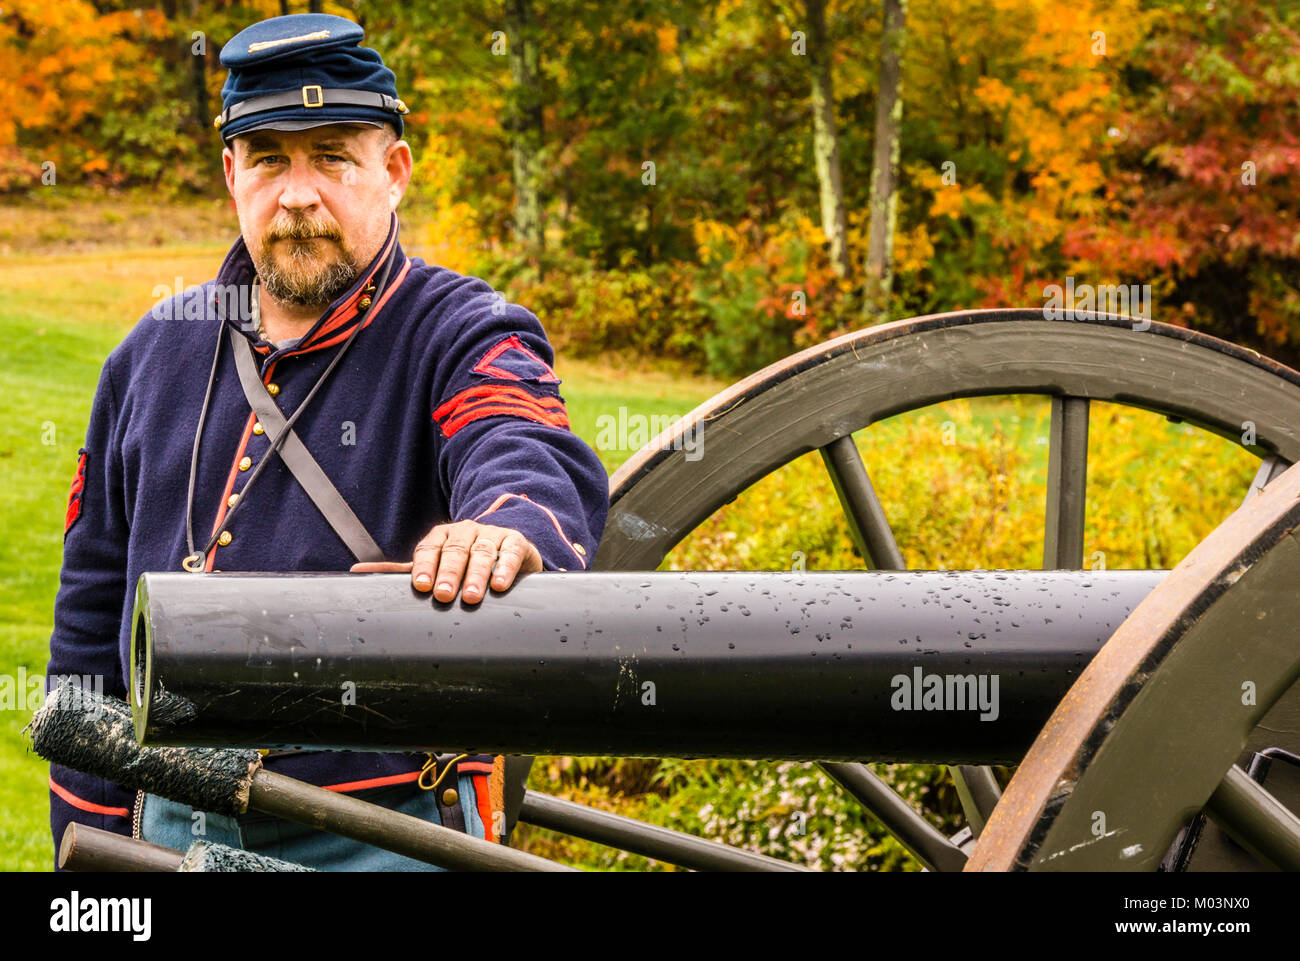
column 238, row 268
column 348, row 310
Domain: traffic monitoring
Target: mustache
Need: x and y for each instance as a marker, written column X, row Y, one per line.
column 303, row 228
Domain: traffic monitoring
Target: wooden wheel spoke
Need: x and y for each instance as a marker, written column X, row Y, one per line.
column 976, row 786
column 921, row 838
column 1269, row 468
column 979, row 793
column 867, row 522
column 1256, row 820
column 1067, row 474
column 639, row 837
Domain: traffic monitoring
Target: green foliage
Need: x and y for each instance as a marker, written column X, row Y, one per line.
column 146, row 157
column 730, row 314
column 795, row 812
column 739, row 338
column 588, row 311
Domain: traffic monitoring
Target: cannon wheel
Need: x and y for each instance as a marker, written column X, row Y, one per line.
column 816, row 399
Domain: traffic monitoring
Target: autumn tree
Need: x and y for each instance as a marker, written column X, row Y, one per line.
column 883, row 203
column 826, row 144
column 1204, row 205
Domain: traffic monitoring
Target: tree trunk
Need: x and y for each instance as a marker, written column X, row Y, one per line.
column 524, row 121
column 826, row 142
column 199, row 75
column 199, row 81
column 884, row 167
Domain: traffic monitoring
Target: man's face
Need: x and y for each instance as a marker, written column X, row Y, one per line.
column 314, row 204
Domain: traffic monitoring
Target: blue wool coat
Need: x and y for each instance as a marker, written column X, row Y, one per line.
column 444, row 408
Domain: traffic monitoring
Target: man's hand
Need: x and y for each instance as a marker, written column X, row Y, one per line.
column 465, row 550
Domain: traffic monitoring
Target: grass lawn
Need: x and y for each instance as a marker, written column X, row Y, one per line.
column 63, row 313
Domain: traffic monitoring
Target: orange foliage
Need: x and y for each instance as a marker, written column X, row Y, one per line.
column 60, row 65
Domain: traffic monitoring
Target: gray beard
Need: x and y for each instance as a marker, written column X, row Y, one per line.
column 306, row 290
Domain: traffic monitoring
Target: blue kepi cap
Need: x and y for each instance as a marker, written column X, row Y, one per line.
column 304, row 70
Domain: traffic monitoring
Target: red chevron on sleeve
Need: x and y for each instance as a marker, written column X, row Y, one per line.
column 511, row 360
column 489, row 400
column 74, row 495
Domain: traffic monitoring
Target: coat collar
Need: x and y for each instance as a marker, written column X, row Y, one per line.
column 353, row 307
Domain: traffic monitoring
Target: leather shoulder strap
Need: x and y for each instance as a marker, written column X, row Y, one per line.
column 299, row 460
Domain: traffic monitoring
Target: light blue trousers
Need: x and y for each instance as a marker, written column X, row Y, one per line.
column 178, row 826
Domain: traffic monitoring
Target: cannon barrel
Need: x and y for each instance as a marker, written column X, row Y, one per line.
column 925, row 666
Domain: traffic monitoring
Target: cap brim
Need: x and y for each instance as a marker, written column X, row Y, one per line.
column 305, row 125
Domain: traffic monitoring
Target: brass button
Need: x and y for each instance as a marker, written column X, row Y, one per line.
column 363, row 303
column 225, row 538
column 230, row 502
column 579, row 548
column 272, row 389
column 450, row 797
column 246, row 463
column 258, row 428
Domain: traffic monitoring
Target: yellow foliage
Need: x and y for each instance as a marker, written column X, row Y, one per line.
column 667, row 36
column 993, row 92
column 963, row 485
column 1044, row 77
column 913, row 250
column 709, row 233
column 947, row 202
column 451, row 235
column 59, row 62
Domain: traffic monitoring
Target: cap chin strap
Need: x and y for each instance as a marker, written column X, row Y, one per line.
column 310, row 96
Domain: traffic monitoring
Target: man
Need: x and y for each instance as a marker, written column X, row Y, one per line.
column 325, row 404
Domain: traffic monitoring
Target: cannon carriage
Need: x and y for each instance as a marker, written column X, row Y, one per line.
column 1155, row 721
